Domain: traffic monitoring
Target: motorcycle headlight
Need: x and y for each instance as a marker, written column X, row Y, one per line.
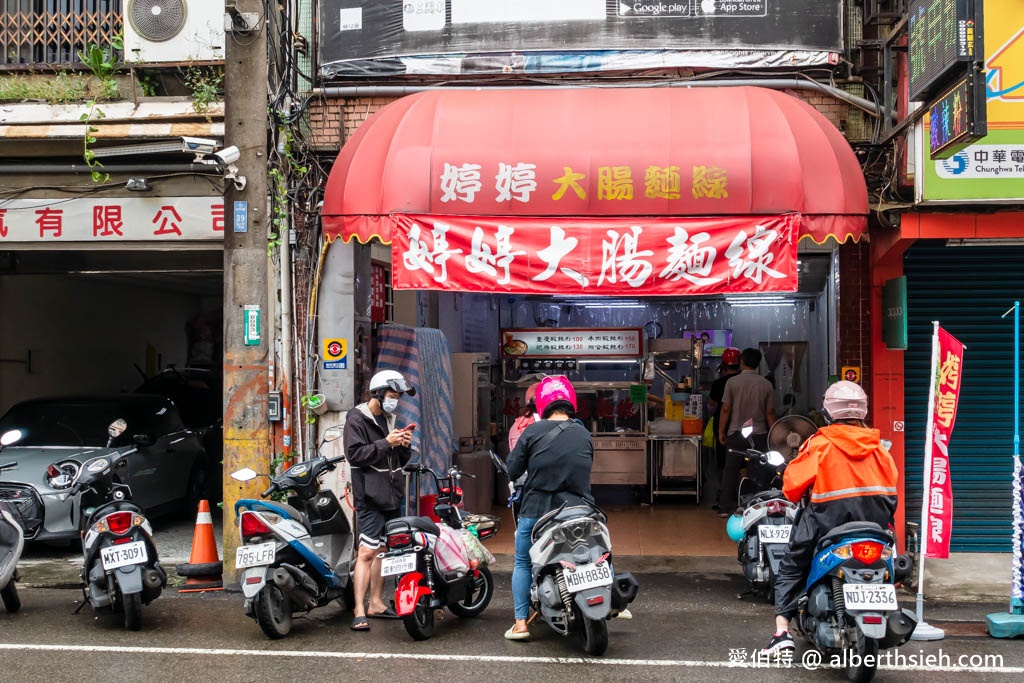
column 62, row 474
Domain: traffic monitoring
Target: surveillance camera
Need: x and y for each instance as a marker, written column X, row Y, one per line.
column 198, row 145
column 228, row 155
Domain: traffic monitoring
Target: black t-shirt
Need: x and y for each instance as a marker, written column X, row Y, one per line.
column 561, row 465
column 717, row 392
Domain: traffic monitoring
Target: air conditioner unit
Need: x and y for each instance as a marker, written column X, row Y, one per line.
column 173, row 30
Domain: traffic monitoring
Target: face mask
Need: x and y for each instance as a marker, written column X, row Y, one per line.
column 389, row 405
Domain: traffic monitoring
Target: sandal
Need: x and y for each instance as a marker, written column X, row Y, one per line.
column 360, row 624
column 512, row 634
column 388, row 613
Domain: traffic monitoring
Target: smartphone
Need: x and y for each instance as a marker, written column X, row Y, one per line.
column 409, row 428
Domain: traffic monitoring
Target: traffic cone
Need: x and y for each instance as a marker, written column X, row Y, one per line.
column 204, row 570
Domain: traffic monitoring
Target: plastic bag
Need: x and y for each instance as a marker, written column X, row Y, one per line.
column 477, row 552
column 450, row 551
column 708, row 440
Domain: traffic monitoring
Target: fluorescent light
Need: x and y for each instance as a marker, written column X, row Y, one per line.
column 766, row 304
column 768, row 298
column 995, row 242
column 599, row 361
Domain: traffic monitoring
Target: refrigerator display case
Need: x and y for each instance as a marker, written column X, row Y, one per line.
column 606, row 368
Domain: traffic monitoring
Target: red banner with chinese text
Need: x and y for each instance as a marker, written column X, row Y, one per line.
column 596, row 256
column 939, row 496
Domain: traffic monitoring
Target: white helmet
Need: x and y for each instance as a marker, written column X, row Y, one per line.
column 390, row 379
column 846, row 401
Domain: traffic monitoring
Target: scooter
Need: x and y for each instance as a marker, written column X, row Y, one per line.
column 121, row 570
column 298, row 555
column 849, row 609
column 573, row 586
column 12, row 539
column 412, row 546
column 762, row 528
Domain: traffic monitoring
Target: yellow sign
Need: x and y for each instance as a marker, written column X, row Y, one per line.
column 851, row 373
column 335, row 354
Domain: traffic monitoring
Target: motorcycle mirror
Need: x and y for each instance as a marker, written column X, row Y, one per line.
column 10, row 437
column 117, row 428
column 333, row 434
column 747, row 429
column 244, row 474
column 774, row 458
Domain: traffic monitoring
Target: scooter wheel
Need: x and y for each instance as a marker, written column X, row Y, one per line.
column 595, row 636
column 420, row 624
column 9, row 593
column 477, row 597
column 273, row 611
column 132, row 604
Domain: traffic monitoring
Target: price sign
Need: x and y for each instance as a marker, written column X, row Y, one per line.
column 942, row 35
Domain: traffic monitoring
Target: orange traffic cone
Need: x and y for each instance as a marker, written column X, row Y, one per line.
column 204, row 569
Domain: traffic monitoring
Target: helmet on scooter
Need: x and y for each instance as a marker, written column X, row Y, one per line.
column 731, row 357
column 389, row 379
column 845, row 401
column 734, row 527
column 555, row 393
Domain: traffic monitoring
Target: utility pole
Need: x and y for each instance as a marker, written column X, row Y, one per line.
column 247, row 318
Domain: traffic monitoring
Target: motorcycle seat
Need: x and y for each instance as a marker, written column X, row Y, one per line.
column 770, row 494
column 845, row 531
column 417, row 523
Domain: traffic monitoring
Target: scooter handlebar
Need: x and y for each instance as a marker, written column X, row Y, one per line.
column 270, row 489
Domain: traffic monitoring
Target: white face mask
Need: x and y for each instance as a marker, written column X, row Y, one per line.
column 389, row 405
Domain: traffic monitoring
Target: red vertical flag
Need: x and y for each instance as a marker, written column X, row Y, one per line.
column 938, row 500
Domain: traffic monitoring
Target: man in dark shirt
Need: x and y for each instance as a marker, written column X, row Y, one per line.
column 557, row 455
column 730, row 367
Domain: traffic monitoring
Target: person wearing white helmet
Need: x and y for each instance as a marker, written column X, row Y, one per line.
column 376, row 451
column 847, row 475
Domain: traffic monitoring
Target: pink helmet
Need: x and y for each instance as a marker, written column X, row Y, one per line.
column 552, row 390
column 846, row 401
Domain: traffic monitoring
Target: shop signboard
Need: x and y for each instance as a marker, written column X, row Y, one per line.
column 941, row 45
column 546, row 342
column 361, row 38
column 112, row 219
column 991, row 169
column 684, row 256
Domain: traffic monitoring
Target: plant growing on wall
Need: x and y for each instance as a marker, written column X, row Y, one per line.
column 102, row 61
column 206, row 84
column 98, row 176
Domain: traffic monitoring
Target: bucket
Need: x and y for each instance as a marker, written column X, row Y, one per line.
column 317, row 403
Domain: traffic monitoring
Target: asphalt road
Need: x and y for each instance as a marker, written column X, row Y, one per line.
column 685, row 626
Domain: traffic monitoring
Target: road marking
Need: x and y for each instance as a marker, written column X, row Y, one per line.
column 306, row 654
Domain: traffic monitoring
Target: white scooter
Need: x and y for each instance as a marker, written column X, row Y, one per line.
column 12, row 539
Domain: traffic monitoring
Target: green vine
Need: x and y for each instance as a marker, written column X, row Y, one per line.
column 279, row 189
column 102, row 61
column 88, row 154
column 306, row 402
column 279, row 460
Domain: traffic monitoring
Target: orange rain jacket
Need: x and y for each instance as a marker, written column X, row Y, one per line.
column 845, row 469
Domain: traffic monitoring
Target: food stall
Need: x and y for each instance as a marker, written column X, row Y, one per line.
column 606, row 367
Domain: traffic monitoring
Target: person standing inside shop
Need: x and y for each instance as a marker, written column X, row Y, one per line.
column 376, row 451
column 526, row 418
column 748, row 396
column 730, row 367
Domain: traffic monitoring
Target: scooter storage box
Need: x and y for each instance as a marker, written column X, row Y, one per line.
column 477, row 490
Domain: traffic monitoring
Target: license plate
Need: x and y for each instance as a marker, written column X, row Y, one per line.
column 399, row 564
column 123, row 555
column 258, row 555
column 774, row 533
column 588, row 576
column 871, row 598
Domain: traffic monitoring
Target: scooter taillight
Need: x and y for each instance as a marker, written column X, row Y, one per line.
column 399, row 540
column 867, row 552
column 119, row 522
column 252, row 525
column 776, row 507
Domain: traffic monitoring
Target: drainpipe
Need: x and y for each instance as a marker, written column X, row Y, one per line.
column 872, row 108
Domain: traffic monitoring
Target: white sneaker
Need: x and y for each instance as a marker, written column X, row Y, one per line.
column 625, row 614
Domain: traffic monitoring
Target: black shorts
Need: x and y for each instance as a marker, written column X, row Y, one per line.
column 370, row 524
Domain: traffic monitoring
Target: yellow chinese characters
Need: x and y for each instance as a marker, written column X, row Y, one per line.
column 662, row 182
column 614, row 182
column 709, row 182
column 569, row 179
column 949, row 371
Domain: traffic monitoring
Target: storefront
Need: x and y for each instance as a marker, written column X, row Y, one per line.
column 653, row 214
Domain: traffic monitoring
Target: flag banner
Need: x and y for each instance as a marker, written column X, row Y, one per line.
column 948, row 371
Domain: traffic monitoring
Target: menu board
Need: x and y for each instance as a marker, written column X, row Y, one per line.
column 958, row 118
column 526, row 343
column 942, row 36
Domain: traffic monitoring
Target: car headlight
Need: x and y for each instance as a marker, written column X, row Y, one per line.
column 63, row 474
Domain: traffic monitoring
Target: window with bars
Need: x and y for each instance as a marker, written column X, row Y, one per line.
column 40, row 32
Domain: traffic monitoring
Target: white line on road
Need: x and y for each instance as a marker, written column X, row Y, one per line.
column 461, row 658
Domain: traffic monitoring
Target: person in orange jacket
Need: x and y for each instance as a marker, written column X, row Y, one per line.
column 847, row 476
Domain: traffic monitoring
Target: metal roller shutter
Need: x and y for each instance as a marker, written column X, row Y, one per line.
column 966, row 289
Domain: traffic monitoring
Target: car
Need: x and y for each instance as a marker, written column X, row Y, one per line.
column 168, row 473
column 199, row 395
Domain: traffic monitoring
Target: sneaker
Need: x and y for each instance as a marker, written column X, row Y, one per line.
column 780, row 641
column 625, row 614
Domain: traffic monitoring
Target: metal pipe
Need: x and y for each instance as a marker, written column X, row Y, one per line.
column 872, row 108
column 149, row 169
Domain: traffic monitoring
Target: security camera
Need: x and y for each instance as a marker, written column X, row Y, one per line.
column 228, row 155
column 198, row 145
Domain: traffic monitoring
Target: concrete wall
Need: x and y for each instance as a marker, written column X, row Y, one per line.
column 86, row 334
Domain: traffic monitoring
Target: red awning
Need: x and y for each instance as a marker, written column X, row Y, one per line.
column 597, row 152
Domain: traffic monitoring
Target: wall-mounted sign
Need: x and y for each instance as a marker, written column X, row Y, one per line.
column 112, row 219
column 851, row 373
column 894, row 314
column 252, row 325
column 958, row 117
column 335, row 354
column 241, row 215
column 575, row 342
column 942, row 37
